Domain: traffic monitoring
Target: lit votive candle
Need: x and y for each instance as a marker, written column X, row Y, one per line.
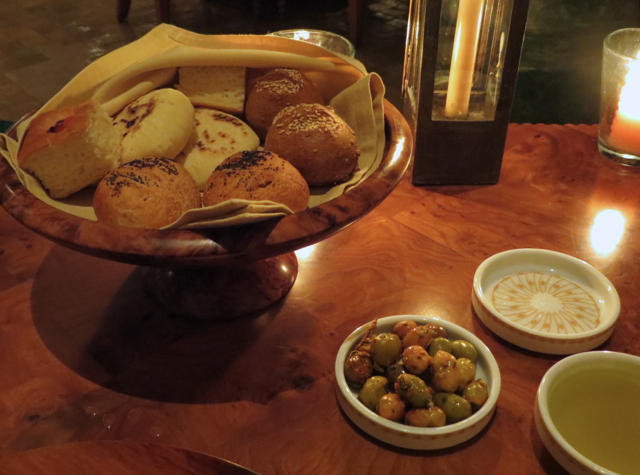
column 619, row 130
column 625, row 128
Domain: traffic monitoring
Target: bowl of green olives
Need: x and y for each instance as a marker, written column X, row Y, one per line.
column 587, row 413
column 417, row 382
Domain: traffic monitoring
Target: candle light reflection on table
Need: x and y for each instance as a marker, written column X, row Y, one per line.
column 607, row 231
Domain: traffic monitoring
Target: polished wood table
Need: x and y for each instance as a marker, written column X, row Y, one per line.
column 86, row 356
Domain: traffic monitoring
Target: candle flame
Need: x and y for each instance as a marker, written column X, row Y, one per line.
column 630, row 93
column 624, row 136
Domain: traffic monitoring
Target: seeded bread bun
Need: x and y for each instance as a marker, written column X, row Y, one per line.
column 146, row 193
column 315, row 140
column 69, row 149
column 273, row 92
column 256, row 176
column 157, row 124
column 216, row 136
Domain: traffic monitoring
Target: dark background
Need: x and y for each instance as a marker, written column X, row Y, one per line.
column 43, row 43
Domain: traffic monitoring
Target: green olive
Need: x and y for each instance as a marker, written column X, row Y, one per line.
column 438, row 344
column 476, row 393
column 467, row 372
column 418, row 336
column 386, row 349
column 415, row 359
column 373, row 390
column 413, row 390
column 464, row 349
column 391, row 407
column 437, row 331
column 446, row 377
column 358, row 368
column 455, row 407
column 430, row 417
column 394, row 371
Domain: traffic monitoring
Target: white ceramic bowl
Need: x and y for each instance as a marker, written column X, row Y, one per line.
column 584, row 413
column 406, row 436
column 545, row 301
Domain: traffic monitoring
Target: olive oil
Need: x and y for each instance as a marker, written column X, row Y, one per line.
column 598, row 414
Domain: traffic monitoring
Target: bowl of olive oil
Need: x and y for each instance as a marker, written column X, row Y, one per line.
column 588, row 413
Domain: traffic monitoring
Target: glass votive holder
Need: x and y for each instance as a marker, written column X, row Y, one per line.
column 619, row 127
column 328, row 40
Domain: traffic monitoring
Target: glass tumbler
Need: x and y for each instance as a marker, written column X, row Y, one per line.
column 328, row 40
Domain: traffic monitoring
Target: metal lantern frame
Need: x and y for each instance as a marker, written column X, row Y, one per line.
column 463, row 147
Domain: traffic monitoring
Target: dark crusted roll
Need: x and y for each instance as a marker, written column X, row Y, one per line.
column 256, row 176
column 146, row 193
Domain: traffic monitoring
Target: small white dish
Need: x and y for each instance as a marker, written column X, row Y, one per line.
column 587, row 413
column 545, row 301
column 406, row 436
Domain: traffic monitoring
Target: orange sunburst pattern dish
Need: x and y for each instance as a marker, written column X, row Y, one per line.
column 546, row 303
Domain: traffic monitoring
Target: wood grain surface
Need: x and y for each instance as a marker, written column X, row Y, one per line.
column 111, row 457
column 87, row 356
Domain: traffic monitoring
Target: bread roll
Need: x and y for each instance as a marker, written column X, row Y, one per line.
column 217, row 87
column 69, row 149
column 146, row 193
column 157, row 124
column 273, row 92
column 315, row 140
column 217, row 135
column 256, row 176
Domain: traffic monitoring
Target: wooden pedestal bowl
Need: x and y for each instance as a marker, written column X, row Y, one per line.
column 218, row 272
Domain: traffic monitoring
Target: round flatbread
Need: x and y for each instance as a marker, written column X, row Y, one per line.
column 217, row 135
column 157, row 124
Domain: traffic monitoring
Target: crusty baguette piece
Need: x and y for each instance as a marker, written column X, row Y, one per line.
column 69, row 149
column 217, row 87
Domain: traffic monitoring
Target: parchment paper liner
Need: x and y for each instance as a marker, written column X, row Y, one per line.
column 151, row 62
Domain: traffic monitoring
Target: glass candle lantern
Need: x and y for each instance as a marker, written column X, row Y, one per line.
column 619, row 128
column 460, row 69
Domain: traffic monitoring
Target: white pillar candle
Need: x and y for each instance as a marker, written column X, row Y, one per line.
column 463, row 61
